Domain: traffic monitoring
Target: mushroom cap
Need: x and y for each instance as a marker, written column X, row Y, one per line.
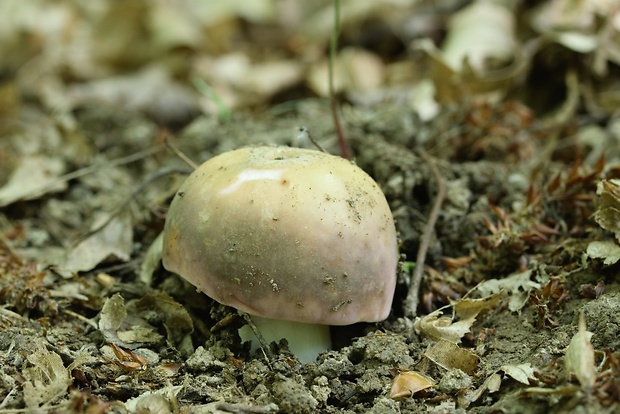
column 285, row 233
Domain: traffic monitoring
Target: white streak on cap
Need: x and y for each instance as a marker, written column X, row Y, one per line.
column 251, row 175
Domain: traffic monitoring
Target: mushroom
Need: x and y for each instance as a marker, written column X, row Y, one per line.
column 285, row 234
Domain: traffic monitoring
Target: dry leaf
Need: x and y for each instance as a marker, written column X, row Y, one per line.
column 46, row 378
column 423, row 100
column 407, row 383
column 583, row 27
column 491, row 384
column 113, row 313
column 481, row 34
column 517, row 285
column 470, row 308
column 607, row 214
column 161, row 401
column 520, row 372
column 354, row 70
column 151, row 90
column 113, row 241
column 442, row 328
column 268, row 78
column 34, row 176
column 151, row 260
column 173, row 315
column 578, row 42
column 449, row 356
column 451, row 85
column 579, row 359
column 123, row 329
column 606, row 250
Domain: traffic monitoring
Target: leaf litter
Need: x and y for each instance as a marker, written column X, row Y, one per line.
column 519, row 283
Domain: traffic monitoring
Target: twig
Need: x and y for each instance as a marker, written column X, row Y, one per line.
column 261, row 339
column 344, row 148
column 305, row 133
column 8, row 398
column 247, row 409
column 412, row 300
column 44, row 186
column 179, row 154
column 157, row 175
column 8, row 314
column 94, row 168
column 84, row 319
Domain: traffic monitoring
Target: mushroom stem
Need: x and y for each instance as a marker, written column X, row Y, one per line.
column 305, row 340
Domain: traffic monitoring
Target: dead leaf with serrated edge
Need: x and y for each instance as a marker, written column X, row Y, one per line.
column 46, row 378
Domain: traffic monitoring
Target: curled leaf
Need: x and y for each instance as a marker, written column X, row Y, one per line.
column 579, row 359
column 407, row 383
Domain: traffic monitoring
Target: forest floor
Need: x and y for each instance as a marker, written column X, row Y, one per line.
column 518, row 308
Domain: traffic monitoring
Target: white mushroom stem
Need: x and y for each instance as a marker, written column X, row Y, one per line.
column 305, row 340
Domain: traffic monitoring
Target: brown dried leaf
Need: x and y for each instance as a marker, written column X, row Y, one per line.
column 162, row 401
column 470, row 308
column 152, row 260
column 607, row 214
column 151, row 90
column 444, row 328
column 579, row 359
column 407, row 383
column 449, row 356
column 34, row 176
column 175, row 318
column 268, row 78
